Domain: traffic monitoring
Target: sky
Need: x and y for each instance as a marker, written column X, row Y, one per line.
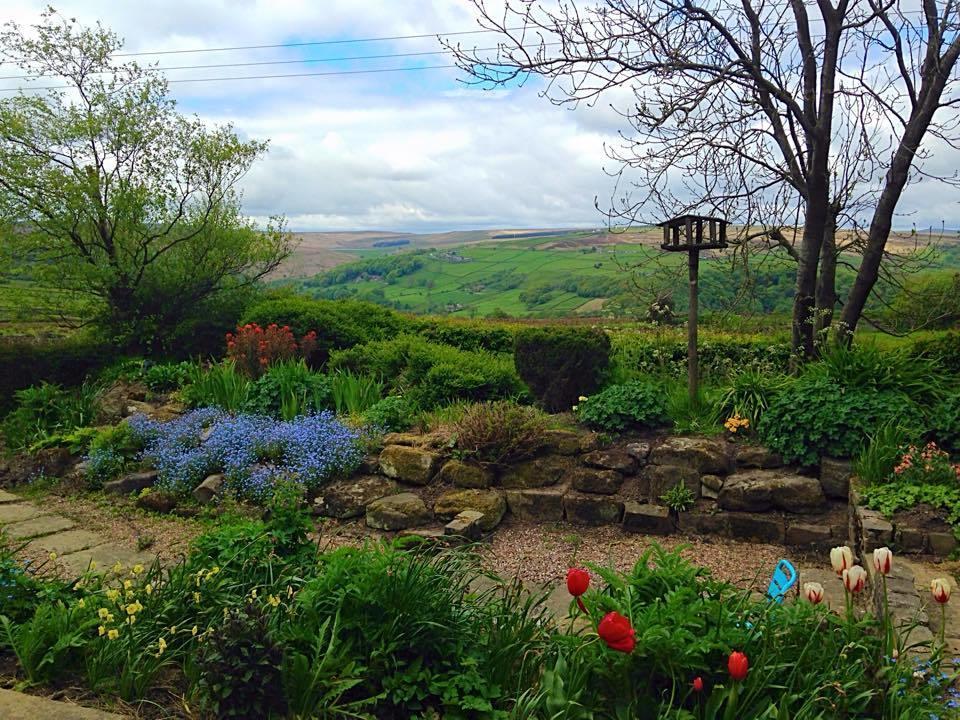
column 417, row 150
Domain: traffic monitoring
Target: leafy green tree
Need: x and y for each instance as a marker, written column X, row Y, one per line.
column 112, row 194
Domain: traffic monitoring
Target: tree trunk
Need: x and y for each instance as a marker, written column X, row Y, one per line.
column 804, row 301
column 827, row 281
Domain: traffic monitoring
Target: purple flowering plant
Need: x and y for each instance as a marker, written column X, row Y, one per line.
column 252, row 451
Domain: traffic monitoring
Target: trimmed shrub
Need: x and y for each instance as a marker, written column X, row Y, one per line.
column 430, row 374
column 641, row 403
column 500, row 431
column 817, row 416
column 465, row 334
column 560, row 364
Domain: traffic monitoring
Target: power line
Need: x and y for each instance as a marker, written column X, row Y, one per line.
column 262, row 77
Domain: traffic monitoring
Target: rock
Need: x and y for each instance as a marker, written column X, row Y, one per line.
column 759, row 457
column 835, row 477
column 157, row 501
column 170, row 411
column 592, row 509
column 561, row 442
column 639, row 451
column 611, row 460
column 539, row 472
column 398, row 512
column 766, row 527
column 703, row 522
column 760, row 490
column 407, row 439
column 876, row 530
column 667, row 477
column 212, row 485
column 468, row 525
column 910, row 540
column 603, row 482
column 349, row 498
column 113, row 402
column 589, row 442
column 53, row 462
column 491, row 503
column 710, row 486
column 704, row 455
column 370, row 465
column 647, row 518
column 942, row 543
column 465, row 475
column 131, row 482
column 809, row 535
column 408, row 464
column 541, row 504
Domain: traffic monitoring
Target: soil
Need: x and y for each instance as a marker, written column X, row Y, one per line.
column 923, row 517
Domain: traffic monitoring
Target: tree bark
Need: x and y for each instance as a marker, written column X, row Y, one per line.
column 827, row 280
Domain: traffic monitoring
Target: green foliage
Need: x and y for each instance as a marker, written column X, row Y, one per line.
column 221, row 385
column 104, row 465
column 429, row 374
column 464, row 334
column 392, row 414
column 47, row 410
column 817, row 416
column 500, row 431
column 147, row 254
column 945, row 423
column 240, row 665
column 354, row 394
column 640, row 403
column 20, row 589
column 289, row 388
column 750, row 393
column 928, row 301
column 679, row 498
column 890, row 498
column 560, row 364
column 165, row 376
column 886, row 444
column 701, row 414
column 943, row 350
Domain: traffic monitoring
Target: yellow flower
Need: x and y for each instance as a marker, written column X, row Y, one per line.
column 103, row 613
column 109, row 617
column 575, row 407
column 161, row 646
column 149, row 589
column 137, row 569
column 113, row 634
column 131, row 620
column 117, row 566
column 173, row 629
column 196, row 597
column 213, row 571
column 112, row 595
column 102, row 630
column 253, row 593
column 582, row 398
column 134, row 607
column 93, row 565
column 127, row 584
column 193, row 630
column 53, row 556
column 81, row 603
column 273, row 600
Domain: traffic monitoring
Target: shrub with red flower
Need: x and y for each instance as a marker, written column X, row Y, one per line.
column 617, row 632
column 254, row 348
column 738, row 665
column 924, row 465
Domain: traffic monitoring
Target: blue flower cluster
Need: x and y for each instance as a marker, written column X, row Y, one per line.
column 252, row 451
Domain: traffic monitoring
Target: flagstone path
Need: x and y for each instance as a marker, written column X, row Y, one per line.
column 19, row 706
column 47, row 533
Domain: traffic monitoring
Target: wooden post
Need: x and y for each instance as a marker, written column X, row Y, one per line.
column 693, row 370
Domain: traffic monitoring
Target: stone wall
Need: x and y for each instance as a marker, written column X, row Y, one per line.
column 742, row 491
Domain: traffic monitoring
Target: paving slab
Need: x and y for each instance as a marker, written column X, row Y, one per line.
column 38, row 526
column 70, row 541
column 6, row 497
column 105, row 556
column 19, row 706
column 17, row 512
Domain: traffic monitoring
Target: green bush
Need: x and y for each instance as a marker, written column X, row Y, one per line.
column 943, row 350
column 641, row 403
column 339, row 324
column 354, row 394
column 881, row 454
column 112, row 450
column 289, row 388
column 429, row 374
column 750, row 394
column 560, row 364
column 392, row 414
column 47, row 410
column 945, row 423
column 221, row 385
column 817, row 416
column 465, row 334
column 500, row 431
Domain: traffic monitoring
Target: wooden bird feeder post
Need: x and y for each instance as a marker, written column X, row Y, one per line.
column 686, row 234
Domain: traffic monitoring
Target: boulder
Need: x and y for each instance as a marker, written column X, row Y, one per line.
column 468, row 525
column 710, row 486
column 207, row 491
column 589, row 442
column 491, row 503
column 407, row 439
column 646, row 518
column 408, row 464
column 398, row 512
column 765, row 527
column 349, row 498
column 665, row 477
column 561, row 442
column 639, row 451
column 611, row 460
column 758, row 457
column 760, row 490
column 465, row 475
column 702, row 521
column 602, row 482
column 809, row 535
column 539, row 472
column 131, row 482
column 835, row 477
column 704, row 455
column 157, row 501
column 592, row 509
column 540, row 504
column 942, row 543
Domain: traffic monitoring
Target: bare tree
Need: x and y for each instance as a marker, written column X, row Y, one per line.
column 788, row 118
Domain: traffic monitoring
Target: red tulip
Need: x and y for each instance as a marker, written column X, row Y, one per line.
column 738, row 665
column 698, row 684
column 578, row 580
column 615, row 630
